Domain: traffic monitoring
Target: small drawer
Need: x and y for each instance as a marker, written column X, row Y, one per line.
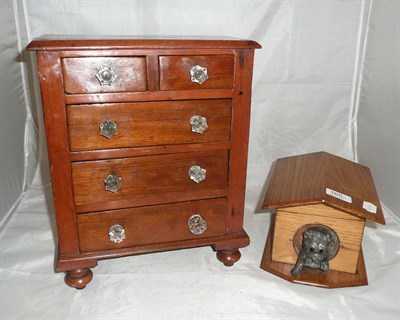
column 116, row 229
column 155, row 179
column 125, row 125
column 196, row 72
column 98, row 74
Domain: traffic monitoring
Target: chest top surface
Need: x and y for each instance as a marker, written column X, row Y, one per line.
column 74, row 42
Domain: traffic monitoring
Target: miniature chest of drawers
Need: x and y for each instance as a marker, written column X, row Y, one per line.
column 147, row 144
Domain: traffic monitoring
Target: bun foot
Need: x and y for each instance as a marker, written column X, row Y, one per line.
column 78, row 278
column 228, row 256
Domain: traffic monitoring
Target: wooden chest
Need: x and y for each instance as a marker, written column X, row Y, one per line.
column 147, row 144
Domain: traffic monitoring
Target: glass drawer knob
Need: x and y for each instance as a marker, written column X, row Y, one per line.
column 106, row 75
column 198, row 123
column 117, row 233
column 196, row 224
column 198, row 74
column 108, row 128
column 197, row 174
column 112, row 182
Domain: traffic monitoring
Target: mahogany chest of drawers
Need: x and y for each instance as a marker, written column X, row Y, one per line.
column 147, row 144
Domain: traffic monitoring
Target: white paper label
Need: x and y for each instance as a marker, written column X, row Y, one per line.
column 370, row 207
column 338, row 195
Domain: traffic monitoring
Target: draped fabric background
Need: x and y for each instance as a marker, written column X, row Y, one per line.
column 327, row 79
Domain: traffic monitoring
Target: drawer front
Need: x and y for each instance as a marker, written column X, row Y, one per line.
column 90, row 75
column 146, row 124
column 151, row 225
column 177, row 72
column 151, row 177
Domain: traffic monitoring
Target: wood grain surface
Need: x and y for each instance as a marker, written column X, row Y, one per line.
column 147, row 151
column 107, row 42
column 80, row 74
column 148, row 123
column 303, row 179
column 89, row 259
column 175, row 72
column 149, row 177
column 240, row 138
column 55, row 122
column 199, row 94
column 151, row 224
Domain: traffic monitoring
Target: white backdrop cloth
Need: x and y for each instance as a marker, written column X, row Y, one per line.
column 305, row 83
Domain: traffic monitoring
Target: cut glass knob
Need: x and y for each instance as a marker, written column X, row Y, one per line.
column 197, row 173
column 198, row 74
column 196, row 224
column 117, row 233
column 112, row 182
column 108, row 128
column 105, row 75
column 198, row 123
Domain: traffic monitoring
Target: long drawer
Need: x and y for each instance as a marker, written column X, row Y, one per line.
column 120, row 125
column 154, row 224
column 161, row 178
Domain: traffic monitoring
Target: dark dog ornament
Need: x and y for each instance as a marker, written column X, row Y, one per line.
column 319, row 245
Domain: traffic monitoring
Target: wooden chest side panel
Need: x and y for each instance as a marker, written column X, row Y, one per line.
column 148, row 176
column 80, row 74
column 350, row 234
column 175, row 72
column 50, row 76
column 239, row 138
column 147, row 123
column 148, row 225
